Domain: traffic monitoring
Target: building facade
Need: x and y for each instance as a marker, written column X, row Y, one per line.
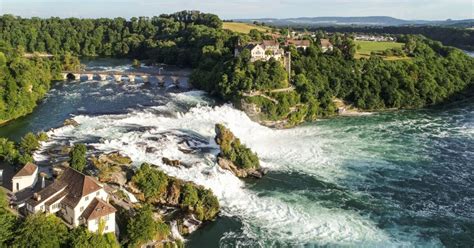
column 76, row 198
column 26, row 177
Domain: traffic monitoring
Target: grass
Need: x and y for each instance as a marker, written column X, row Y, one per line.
column 367, row 47
column 243, row 27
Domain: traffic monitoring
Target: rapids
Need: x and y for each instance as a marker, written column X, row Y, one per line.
column 385, row 180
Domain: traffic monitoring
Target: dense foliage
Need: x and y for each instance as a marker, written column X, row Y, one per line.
column 41, row 230
column 80, row 237
column 8, row 221
column 20, row 154
column 77, row 157
column 142, row 227
column 156, row 186
column 432, row 74
column 173, row 39
column 233, row 150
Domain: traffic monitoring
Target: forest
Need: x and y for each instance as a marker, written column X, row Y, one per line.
column 25, row 81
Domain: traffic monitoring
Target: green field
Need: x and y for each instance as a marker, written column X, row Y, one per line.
column 243, row 27
column 367, row 47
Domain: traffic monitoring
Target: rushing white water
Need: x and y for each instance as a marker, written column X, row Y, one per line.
column 149, row 134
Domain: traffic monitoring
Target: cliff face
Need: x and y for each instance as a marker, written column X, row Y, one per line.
column 235, row 156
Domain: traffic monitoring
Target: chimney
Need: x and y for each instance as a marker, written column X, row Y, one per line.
column 43, row 183
column 37, row 196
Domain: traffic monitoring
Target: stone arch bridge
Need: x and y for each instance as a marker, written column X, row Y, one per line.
column 119, row 76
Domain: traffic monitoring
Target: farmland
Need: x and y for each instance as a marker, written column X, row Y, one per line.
column 365, row 49
column 244, row 27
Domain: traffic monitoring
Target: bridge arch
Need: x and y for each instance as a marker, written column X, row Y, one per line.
column 71, row 76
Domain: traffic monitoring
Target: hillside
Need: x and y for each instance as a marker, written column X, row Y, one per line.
column 354, row 21
column 243, row 28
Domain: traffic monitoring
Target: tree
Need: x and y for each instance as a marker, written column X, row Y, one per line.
column 136, row 64
column 41, row 230
column 142, row 227
column 8, row 151
column 77, row 156
column 150, row 181
column 7, row 221
column 80, row 237
column 29, row 143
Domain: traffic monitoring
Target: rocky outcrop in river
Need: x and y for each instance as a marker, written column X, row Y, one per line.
column 235, row 156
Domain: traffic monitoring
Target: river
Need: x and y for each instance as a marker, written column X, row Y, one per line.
column 385, row 180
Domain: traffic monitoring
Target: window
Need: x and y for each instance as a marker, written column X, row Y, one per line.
column 98, row 193
column 97, row 221
column 87, row 198
column 106, row 217
column 106, row 228
column 81, row 209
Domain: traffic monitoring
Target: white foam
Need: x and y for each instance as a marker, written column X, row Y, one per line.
column 269, row 218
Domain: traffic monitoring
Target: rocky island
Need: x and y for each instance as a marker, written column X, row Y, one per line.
column 235, row 156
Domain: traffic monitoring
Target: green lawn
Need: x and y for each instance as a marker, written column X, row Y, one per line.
column 367, row 47
column 243, row 27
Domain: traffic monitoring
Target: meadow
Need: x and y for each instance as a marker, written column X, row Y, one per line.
column 243, row 27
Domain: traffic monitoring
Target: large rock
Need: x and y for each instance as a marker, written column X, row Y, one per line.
column 171, row 162
column 235, row 156
column 71, row 122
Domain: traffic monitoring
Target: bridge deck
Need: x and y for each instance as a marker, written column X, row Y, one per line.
column 134, row 73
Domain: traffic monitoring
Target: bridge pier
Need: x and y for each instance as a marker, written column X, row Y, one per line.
column 118, row 78
column 161, row 80
column 131, row 78
column 90, row 77
column 77, row 76
column 145, row 78
column 175, row 80
column 102, row 77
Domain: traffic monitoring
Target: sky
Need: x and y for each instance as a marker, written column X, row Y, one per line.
column 233, row 9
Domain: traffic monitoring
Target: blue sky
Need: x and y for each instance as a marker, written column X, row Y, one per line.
column 228, row 9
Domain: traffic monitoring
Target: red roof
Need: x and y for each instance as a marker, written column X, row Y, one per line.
column 325, row 43
column 27, row 170
column 97, row 208
column 299, row 43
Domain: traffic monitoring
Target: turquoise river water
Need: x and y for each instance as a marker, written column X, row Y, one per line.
column 395, row 179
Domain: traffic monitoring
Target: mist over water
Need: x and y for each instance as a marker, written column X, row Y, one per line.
column 385, row 180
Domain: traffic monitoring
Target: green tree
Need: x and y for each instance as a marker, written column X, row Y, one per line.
column 150, row 181
column 77, row 157
column 136, row 63
column 80, row 237
column 29, row 143
column 41, row 230
column 142, row 227
column 7, row 222
column 8, row 151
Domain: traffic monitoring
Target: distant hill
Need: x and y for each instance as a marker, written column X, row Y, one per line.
column 356, row 21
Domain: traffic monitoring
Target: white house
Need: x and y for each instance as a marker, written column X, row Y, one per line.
column 26, row 177
column 298, row 43
column 257, row 52
column 326, row 45
column 78, row 199
column 265, row 51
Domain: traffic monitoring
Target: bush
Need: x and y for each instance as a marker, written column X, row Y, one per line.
column 78, row 157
